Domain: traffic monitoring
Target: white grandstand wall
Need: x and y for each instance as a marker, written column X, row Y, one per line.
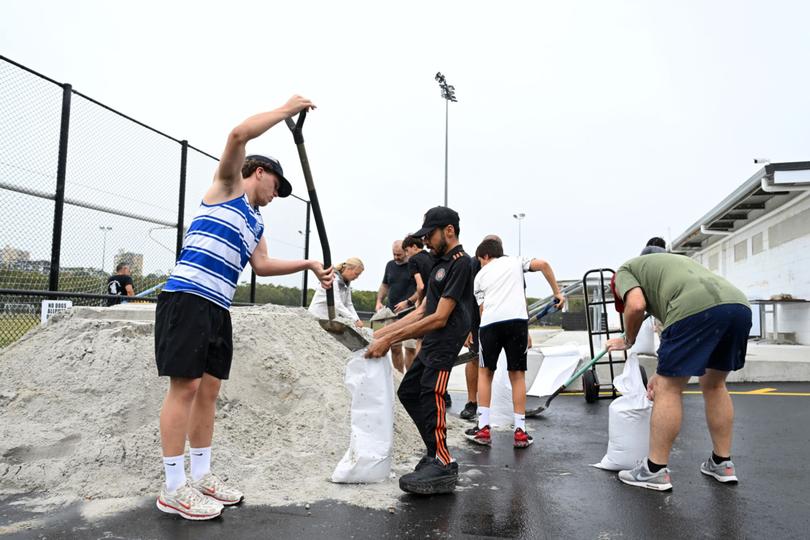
column 770, row 256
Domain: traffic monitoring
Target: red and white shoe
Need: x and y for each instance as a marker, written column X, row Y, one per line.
column 479, row 435
column 522, row 439
column 188, row 503
column 212, row 486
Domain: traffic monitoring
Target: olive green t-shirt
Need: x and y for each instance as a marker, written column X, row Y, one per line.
column 675, row 286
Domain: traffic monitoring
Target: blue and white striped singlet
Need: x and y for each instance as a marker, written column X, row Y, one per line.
column 216, row 248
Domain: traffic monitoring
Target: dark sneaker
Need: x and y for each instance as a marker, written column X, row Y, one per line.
column 470, row 411
column 642, row 477
column 432, row 478
column 479, row 435
column 522, row 439
column 723, row 472
column 448, row 401
column 422, row 462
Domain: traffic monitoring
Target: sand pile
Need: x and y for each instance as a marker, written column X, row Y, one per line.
column 79, row 403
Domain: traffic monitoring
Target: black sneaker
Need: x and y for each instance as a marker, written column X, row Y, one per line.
column 422, row 462
column 448, row 401
column 432, row 478
column 470, row 411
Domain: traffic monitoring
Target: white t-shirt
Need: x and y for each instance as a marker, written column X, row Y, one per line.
column 500, row 288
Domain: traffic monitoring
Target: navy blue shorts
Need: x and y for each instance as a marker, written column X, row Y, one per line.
column 716, row 338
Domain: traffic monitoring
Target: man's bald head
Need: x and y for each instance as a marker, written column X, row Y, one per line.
column 494, row 237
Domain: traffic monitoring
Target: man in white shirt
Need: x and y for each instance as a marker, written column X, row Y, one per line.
column 500, row 292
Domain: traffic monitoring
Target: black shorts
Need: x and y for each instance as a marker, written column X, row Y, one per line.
column 510, row 336
column 192, row 336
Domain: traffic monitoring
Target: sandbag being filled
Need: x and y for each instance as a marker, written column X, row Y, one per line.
column 371, row 385
column 629, row 420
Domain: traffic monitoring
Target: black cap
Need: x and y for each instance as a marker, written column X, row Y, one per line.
column 438, row 216
column 273, row 165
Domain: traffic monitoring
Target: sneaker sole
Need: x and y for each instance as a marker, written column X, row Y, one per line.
column 429, row 488
column 226, row 502
column 646, row 485
column 524, row 444
column 169, row 509
column 468, row 418
column 478, row 441
column 721, row 479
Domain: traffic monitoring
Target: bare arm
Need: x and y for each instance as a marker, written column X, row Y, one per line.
column 539, row 265
column 130, row 291
column 635, row 306
column 228, row 176
column 263, row 265
column 411, row 317
column 382, row 292
column 420, row 288
column 416, row 329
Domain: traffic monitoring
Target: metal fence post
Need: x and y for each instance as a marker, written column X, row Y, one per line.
column 181, row 202
column 59, row 196
column 306, row 256
column 252, row 287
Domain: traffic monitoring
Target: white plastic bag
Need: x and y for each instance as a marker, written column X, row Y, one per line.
column 645, row 340
column 629, row 420
column 501, row 410
column 371, row 384
column 559, row 363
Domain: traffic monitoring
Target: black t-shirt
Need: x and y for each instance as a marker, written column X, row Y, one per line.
column 400, row 283
column 450, row 278
column 422, row 263
column 117, row 285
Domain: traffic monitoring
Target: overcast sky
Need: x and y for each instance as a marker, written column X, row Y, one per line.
column 606, row 123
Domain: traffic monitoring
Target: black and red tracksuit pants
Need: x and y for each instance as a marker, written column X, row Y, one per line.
column 422, row 394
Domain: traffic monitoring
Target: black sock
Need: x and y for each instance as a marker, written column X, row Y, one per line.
column 718, row 460
column 655, row 467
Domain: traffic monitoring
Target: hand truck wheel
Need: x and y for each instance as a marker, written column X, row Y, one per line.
column 590, row 385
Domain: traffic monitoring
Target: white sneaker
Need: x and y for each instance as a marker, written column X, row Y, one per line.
column 188, row 503
column 212, row 486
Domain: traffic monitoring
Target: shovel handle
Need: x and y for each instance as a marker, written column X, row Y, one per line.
column 296, row 127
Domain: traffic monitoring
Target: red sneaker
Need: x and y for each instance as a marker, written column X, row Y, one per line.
column 522, row 439
column 479, row 435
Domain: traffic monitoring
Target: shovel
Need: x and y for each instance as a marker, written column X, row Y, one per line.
column 347, row 335
column 578, row 373
column 386, row 314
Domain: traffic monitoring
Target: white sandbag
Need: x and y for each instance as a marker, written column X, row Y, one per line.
column 559, row 363
column 645, row 340
column 501, row 410
column 629, row 420
column 371, row 385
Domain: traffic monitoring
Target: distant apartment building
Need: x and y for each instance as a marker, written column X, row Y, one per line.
column 9, row 256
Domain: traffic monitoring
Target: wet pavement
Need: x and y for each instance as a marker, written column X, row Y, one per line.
column 546, row 491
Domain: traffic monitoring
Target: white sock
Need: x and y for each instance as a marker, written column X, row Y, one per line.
column 175, row 473
column 483, row 416
column 200, row 462
column 520, row 421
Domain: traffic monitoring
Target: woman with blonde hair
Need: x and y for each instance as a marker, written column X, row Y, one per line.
column 345, row 273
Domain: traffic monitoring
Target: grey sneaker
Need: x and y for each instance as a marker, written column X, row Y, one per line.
column 188, row 503
column 724, row 472
column 642, row 477
column 212, row 486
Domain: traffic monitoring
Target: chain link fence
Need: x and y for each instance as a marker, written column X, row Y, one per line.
column 84, row 187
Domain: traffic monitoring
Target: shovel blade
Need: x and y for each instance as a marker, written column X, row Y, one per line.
column 346, row 335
